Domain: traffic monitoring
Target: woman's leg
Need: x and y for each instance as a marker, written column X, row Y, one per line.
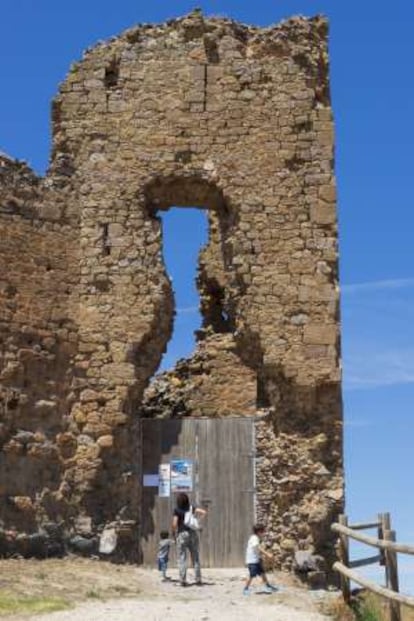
column 182, row 545
column 194, row 545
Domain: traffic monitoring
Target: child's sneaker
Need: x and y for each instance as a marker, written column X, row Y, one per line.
column 246, row 591
column 267, row 589
column 272, row 587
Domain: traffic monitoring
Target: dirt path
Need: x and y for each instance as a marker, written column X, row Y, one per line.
column 219, row 598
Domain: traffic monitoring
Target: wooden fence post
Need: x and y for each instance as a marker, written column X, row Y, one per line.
column 381, row 536
column 386, row 527
column 344, row 558
column 392, row 575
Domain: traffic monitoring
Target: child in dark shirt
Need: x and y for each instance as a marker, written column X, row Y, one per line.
column 164, row 545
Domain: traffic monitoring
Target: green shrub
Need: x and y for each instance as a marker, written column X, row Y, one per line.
column 367, row 611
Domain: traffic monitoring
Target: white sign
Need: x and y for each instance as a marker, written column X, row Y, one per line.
column 181, row 475
column 164, row 482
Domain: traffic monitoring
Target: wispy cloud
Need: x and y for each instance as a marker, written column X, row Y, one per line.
column 378, row 335
column 378, row 285
column 358, row 423
column 381, row 368
column 188, row 309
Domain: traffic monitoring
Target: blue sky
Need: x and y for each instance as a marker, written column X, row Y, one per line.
column 372, row 55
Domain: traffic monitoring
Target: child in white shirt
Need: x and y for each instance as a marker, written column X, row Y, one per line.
column 254, row 552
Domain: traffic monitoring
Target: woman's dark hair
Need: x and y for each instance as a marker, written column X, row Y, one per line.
column 183, row 502
column 258, row 528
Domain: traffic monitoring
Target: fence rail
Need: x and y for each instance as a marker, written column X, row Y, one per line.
column 388, row 547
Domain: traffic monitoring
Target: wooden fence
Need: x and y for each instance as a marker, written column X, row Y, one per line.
column 386, row 543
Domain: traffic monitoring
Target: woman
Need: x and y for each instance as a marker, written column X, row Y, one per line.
column 187, row 538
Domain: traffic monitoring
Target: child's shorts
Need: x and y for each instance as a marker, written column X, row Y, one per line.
column 162, row 564
column 255, row 569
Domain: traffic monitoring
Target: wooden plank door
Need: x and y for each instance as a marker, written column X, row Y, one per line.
column 226, row 487
column 162, row 441
column 223, row 455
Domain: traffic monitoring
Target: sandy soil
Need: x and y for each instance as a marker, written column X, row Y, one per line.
column 220, row 598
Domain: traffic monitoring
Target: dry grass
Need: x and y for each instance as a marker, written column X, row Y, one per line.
column 379, row 609
column 337, row 609
column 407, row 613
column 11, row 604
column 371, row 608
column 366, row 607
column 30, row 586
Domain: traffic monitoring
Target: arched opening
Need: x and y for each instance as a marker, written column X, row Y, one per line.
column 184, row 234
column 212, row 379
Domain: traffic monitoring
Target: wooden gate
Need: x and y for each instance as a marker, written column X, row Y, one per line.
column 222, row 453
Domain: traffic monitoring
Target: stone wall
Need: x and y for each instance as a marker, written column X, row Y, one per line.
column 198, row 111
column 38, row 338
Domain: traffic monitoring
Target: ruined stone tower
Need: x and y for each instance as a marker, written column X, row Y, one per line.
column 199, row 111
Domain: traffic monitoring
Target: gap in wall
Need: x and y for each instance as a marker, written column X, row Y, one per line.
column 184, row 232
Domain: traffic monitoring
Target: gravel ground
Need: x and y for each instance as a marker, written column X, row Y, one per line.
column 220, row 598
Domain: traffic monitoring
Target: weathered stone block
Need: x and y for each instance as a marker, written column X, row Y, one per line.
column 320, row 334
column 323, row 213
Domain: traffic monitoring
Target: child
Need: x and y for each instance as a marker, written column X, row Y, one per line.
column 163, row 552
column 254, row 551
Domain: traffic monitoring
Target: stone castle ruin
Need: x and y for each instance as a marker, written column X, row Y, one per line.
column 203, row 112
